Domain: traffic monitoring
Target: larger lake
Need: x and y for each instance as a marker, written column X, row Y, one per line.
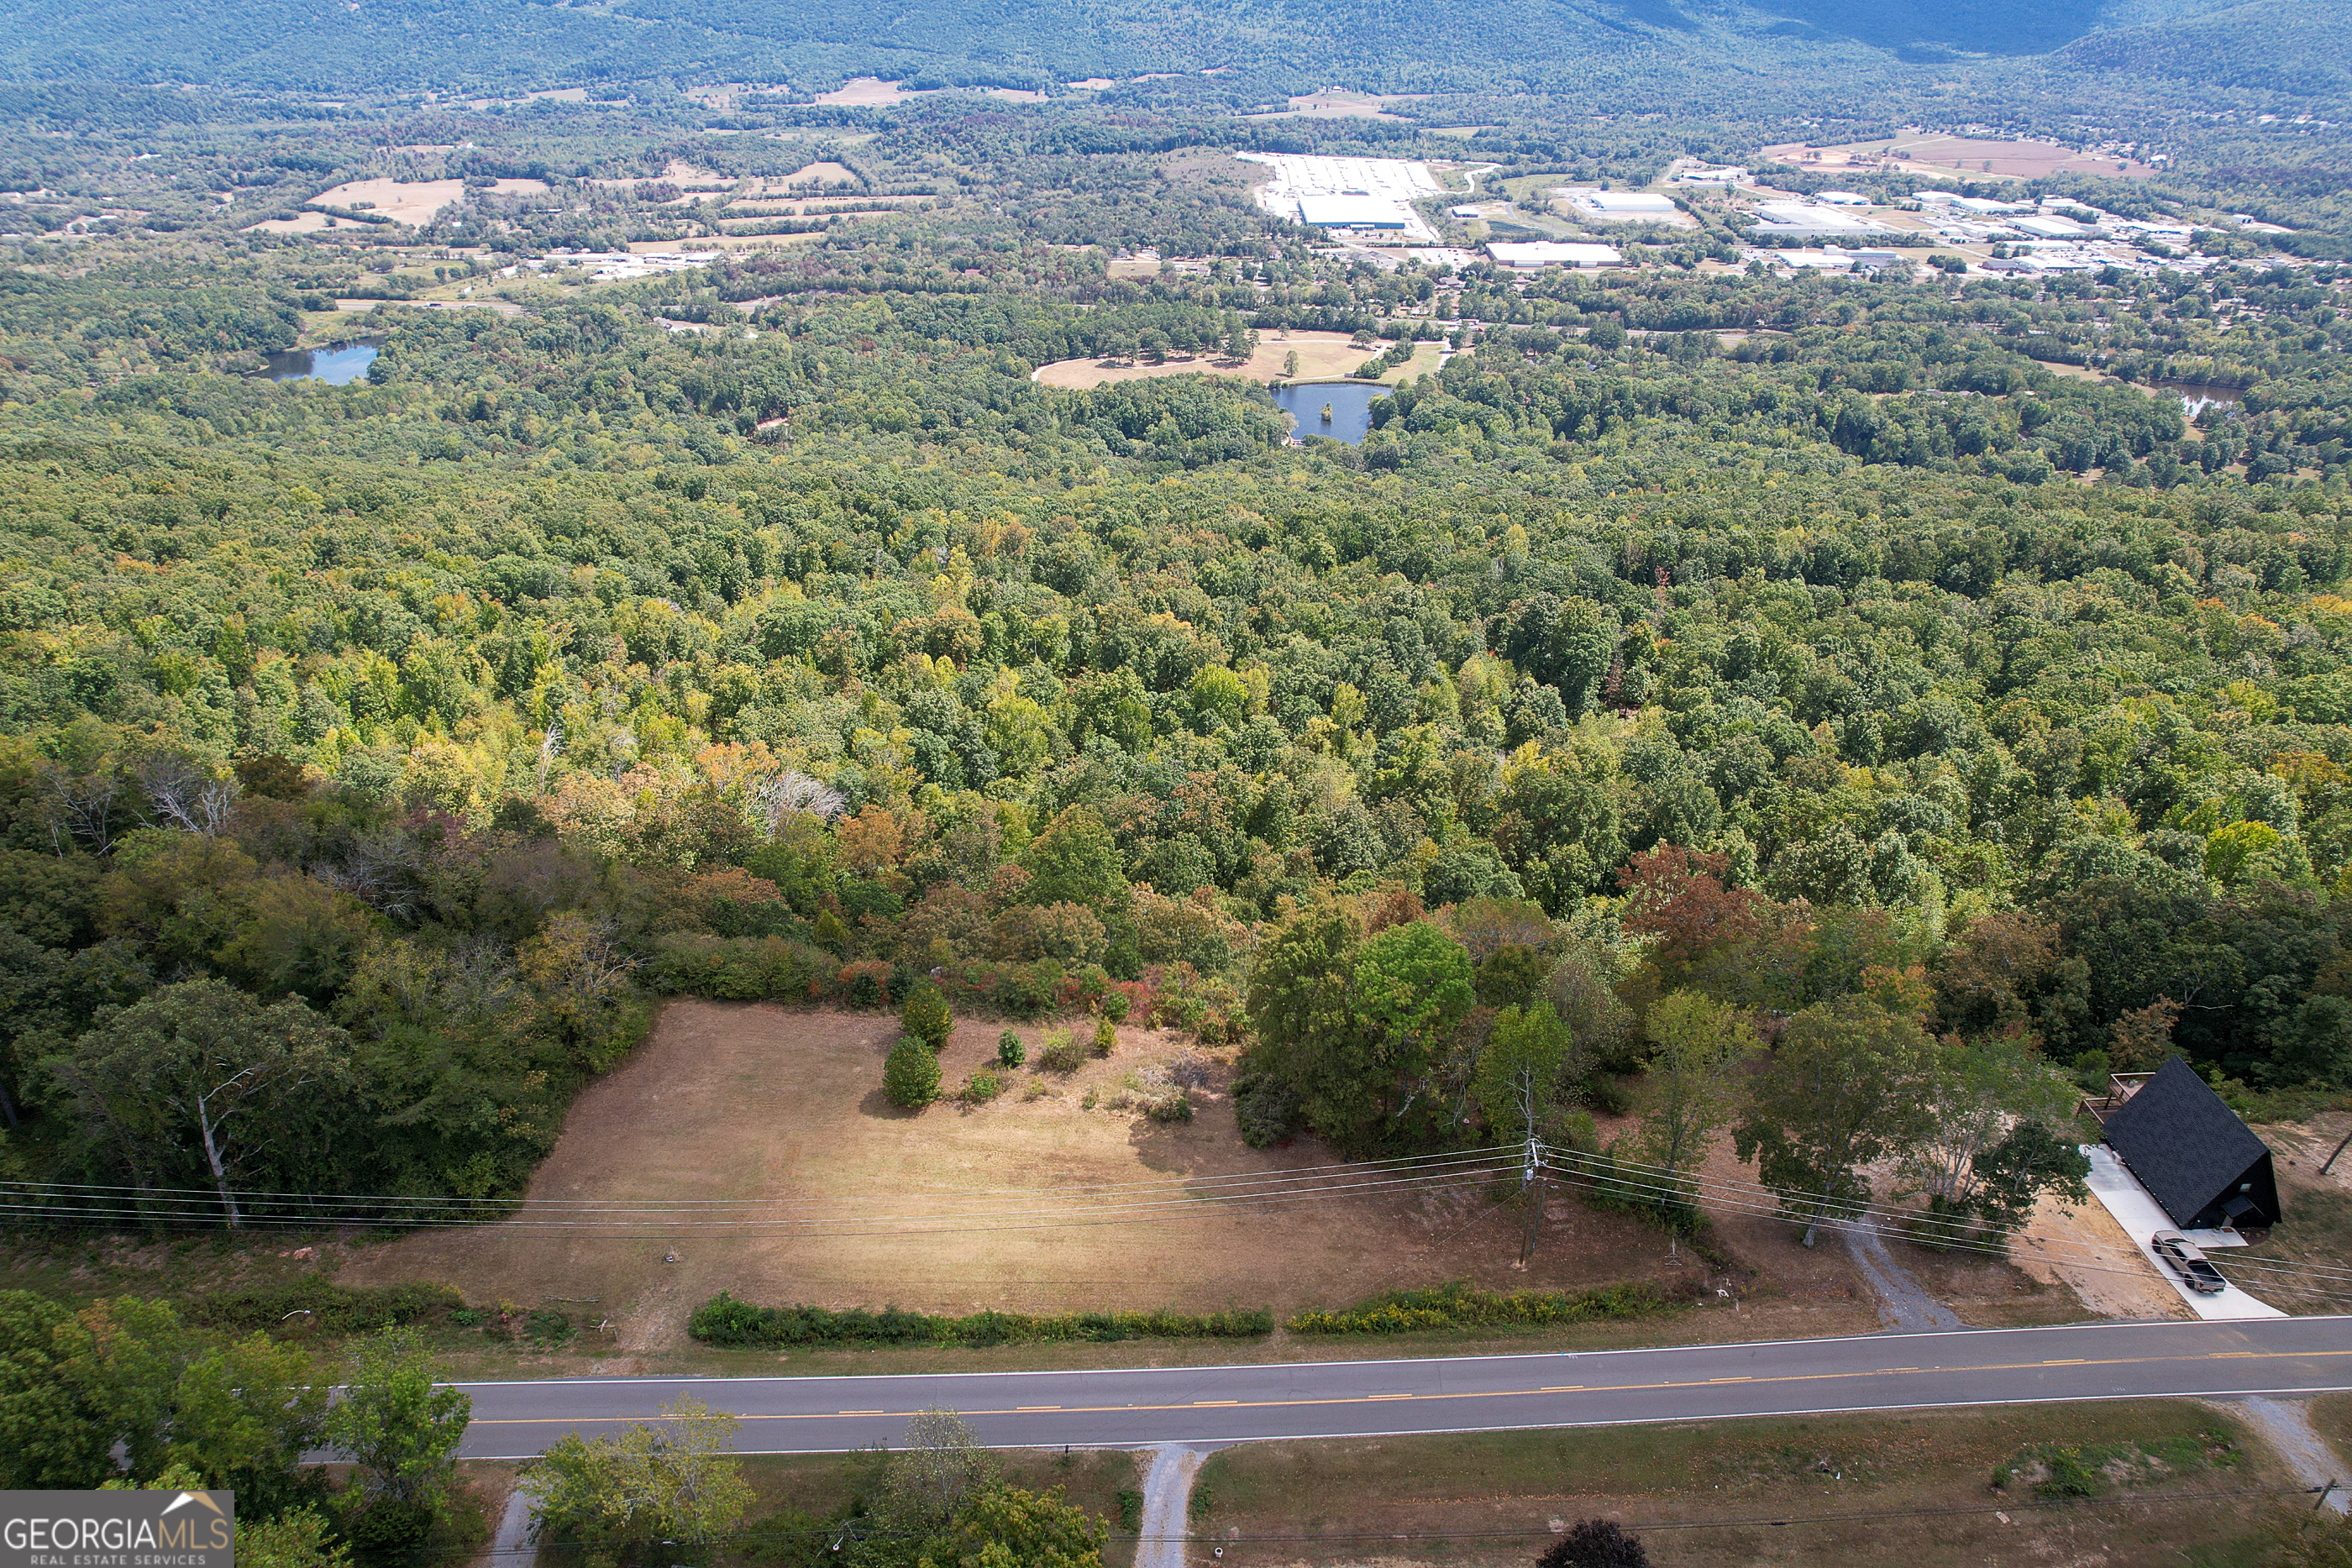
column 1350, row 404
column 338, row 366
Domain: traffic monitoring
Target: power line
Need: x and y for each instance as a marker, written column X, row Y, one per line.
column 1957, row 1229
column 1744, row 1199
column 1492, row 1152
column 262, row 1211
column 1132, row 1202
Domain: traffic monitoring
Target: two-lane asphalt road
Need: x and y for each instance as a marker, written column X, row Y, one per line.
column 1136, row 1407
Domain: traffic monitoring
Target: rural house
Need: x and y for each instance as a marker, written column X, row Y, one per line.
column 2196, row 1157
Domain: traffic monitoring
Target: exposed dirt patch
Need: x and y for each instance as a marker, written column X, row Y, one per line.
column 2083, row 1249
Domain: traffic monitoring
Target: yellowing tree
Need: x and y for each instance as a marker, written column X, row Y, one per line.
column 673, row 1482
column 1698, row 1048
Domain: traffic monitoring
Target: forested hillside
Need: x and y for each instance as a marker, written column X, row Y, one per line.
column 1663, row 53
column 1692, row 651
column 1785, row 640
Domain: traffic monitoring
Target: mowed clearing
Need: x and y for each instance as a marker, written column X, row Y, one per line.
column 1957, row 156
column 760, row 1101
column 1322, row 356
column 413, row 201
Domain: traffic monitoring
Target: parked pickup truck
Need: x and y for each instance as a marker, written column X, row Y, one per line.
column 2188, row 1262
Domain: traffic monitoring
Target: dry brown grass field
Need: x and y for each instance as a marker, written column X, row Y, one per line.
column 1911, row 1489
column 759, row 1102
column 1322, row 356
column 1957, row 156
column 2316, row 1230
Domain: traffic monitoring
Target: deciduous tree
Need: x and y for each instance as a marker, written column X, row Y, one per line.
column 938, row 1467
column 202, row 1081
column 397, row 1423
column 672, row 1482
column 1697, row 1047
column 1842, row 1088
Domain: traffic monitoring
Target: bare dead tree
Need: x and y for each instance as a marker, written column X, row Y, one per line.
column 384, row 871
column 182, row 793
column 92, row 808
column 550, row 746
column 792, row 793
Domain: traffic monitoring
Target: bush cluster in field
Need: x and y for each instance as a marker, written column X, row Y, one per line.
column 2060, row 1471
column 725, row 1321
column 336, row 1309
column 1460, row 1305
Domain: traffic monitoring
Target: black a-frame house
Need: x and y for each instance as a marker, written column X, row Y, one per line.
column 2193, row 1153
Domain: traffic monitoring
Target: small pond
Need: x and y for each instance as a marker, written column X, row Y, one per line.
column 1350, row 404
column 2199, row 397
column 337, row 366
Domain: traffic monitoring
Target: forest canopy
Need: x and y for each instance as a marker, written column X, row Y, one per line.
column 1692, row 655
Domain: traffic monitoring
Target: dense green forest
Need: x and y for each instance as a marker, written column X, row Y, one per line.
column 1680, row 55
column 1883, row 663
column 424, row 728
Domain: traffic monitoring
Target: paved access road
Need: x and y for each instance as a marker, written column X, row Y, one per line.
column 1133, row 1408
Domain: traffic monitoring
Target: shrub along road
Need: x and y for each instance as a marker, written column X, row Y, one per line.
column 1143, row 1407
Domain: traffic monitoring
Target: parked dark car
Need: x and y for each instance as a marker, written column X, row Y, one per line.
column 2188, row 1262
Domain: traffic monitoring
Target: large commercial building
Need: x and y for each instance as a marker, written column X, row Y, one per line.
column 1630, row 205
column 1535, row 254
column 1355, row 211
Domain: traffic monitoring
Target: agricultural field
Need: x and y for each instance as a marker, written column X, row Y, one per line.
column 1337, row 103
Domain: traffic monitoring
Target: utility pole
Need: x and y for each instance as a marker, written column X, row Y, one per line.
column 1531, row 1189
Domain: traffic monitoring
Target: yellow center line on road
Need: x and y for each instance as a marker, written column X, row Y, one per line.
column 1026, row 1407
column 1487, row 1393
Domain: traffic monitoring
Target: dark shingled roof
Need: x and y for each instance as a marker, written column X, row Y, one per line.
column 2189, row 1149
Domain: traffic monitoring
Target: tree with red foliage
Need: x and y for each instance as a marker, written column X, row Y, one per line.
column 1678, row 896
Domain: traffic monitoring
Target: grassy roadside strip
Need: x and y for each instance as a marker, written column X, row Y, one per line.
column 2331, row 1417
column 2130, row 1481
column 233, row 1290
column 1926, row 1489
